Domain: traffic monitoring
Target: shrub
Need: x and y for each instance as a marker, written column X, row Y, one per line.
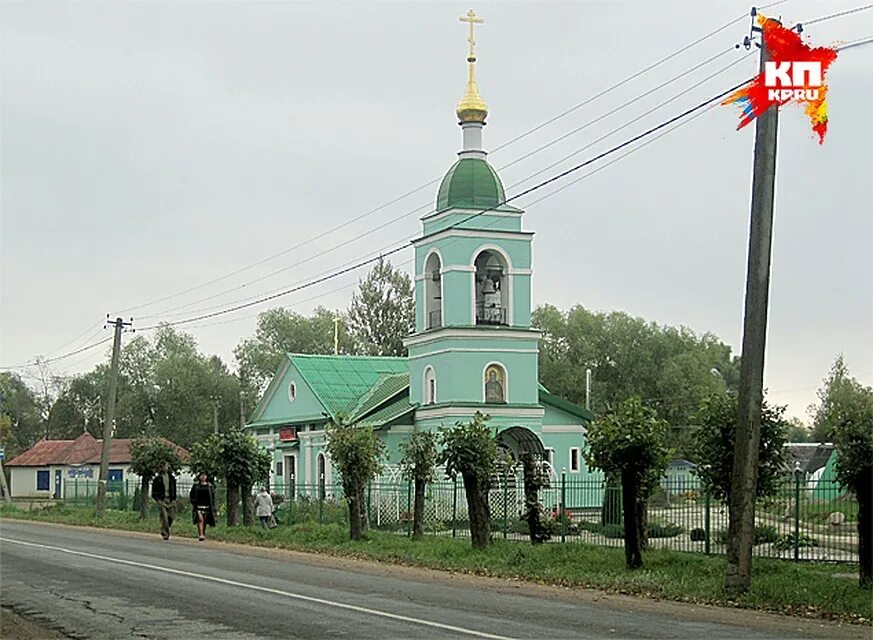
column 698, row 535
column 614, row 531
column 765, row 533
column 786, row 542
column 658, row 530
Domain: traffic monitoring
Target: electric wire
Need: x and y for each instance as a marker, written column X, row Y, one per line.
column 517, row 138
column 345, row 244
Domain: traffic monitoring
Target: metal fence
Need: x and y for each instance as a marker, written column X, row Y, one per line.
column 803, row 521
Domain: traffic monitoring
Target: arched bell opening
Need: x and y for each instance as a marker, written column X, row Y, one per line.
column 433, row 291
column 492, row 288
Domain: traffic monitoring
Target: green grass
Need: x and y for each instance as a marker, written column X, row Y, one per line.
column 807, row 589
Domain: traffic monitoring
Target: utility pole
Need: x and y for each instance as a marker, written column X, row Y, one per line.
column 242, row 409
column 3, row 485
column 744, row 475
column 214, row 414
column 588, row 389
column 109, row 416
column 336, row 321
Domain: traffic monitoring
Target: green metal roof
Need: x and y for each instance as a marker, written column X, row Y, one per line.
column 339, row 382
column 565, row 405
column 385, row 388
column 470, row 183
column 390, row 412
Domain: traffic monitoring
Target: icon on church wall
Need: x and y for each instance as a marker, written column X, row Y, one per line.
column 495, row 381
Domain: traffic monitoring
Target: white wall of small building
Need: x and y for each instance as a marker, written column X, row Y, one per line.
column 23, row 480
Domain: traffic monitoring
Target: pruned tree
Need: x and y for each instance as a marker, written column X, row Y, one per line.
column 418, row 461
column 382, row 311
column 236, row 458
column 356, row 452
column 148, row 455
column 852, row 434
column 470, row 450
column 631, row 442
column 535, row 478
column 713, row 449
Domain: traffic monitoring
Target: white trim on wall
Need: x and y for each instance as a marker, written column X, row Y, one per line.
column 455, row 232
column 563, row 428
column 451, row 212
column 492, row 410
column 470, row 350
column 478, row 333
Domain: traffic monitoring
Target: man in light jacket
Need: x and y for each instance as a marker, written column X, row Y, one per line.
column 264, row 507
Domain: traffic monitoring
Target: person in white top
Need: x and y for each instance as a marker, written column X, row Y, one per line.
column 264, row 507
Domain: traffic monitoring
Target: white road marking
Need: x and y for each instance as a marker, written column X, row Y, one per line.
column 255, row 587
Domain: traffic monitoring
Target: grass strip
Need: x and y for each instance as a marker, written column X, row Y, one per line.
column 813, row 590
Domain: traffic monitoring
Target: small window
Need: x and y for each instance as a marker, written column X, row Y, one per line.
column 292, row 391
column 279, row 468
column 575, row 459
column 42, row 480
column 429, row 386
column 116, row 475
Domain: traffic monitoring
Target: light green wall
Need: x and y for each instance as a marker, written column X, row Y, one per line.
column 305, row 404
column 460, row 219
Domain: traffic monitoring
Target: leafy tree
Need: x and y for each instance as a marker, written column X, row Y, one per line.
column 796, row 431
column 714, row 446
column 632, row 443
column 419, row 458
column 148, row 455
column 236, row 458
column 838, row 389
column 470, row 450
column 852, row 434
column 280, row 331
column 356, row 452
column 19, row 403
column 671, row 368
column 382, row 311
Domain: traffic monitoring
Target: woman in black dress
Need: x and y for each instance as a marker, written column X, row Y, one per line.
column 203, row 504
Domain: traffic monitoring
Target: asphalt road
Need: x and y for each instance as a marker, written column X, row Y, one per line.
column 93, row 584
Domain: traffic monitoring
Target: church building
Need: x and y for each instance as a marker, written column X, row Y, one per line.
column 473, row 348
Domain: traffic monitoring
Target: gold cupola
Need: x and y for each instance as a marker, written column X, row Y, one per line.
column 472, row 107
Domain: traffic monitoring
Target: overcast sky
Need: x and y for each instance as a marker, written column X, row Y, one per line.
column 151, row 147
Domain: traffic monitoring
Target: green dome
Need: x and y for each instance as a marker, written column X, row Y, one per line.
column 471, row 183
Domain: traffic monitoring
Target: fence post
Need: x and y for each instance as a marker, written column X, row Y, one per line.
column 505, row 505
column 562, row 511
column 76, row 491
column 706, row 522
column 369, row 502
column 408, row 508
column 797, row 474
column 455, row 506
column 321, row 493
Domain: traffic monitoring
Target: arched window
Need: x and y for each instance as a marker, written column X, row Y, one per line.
column 433, row 291
column 494, row 384
column 429, row 385
column 492, row 288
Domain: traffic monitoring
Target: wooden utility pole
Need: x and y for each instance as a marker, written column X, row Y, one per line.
column 109, row 416
column 336, row 321
column 4, row 485
column 744, row 476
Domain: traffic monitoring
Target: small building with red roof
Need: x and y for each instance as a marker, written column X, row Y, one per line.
column 44, row 470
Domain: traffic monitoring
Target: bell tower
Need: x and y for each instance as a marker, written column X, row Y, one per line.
column 473, row 347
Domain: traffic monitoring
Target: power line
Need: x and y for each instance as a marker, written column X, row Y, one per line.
column 836, row 15
column 523, row 193
column 529, row 177
column 432, row 182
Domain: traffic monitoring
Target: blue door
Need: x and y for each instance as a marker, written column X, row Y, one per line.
column 57, row 484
